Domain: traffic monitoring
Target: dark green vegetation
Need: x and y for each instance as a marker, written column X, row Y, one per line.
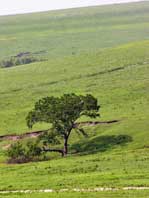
column 19, row 59
column 20, row 152
column 62, row 113
column 103, row 51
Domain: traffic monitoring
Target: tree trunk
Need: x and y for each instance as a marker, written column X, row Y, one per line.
column 65, row 150
column 66, row 137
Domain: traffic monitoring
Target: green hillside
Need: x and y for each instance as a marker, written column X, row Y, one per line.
column 73, row 42
column 61, row 33
column 102, row 51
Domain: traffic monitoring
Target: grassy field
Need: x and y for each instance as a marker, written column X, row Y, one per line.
column 122, row 194
column 76, row 43
column 103, row 51
column 61, row 33
column 113, row 168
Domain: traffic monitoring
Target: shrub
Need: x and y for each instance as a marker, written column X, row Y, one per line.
column 21, row 153
column 16, row 150
column 15, row 61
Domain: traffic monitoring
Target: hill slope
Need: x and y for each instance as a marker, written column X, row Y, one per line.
column 117, row 76
column 72, row 41
column 61, row 33
column 101, row 50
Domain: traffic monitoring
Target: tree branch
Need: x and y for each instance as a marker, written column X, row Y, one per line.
column 53, row 150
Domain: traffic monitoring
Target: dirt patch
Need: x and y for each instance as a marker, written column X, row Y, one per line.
column 89, row 123
column 35, row 134
column 19, row 137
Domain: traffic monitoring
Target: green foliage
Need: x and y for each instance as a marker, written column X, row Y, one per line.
column 62, row 112
column 15, row 61
column 20, row 152
column 33, row 149
column 16, row 151
column 49, row 138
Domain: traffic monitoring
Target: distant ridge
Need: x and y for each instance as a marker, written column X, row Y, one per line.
column 19, row 12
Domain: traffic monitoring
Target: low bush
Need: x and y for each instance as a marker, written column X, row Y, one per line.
column 20, row 152
column 15, row 61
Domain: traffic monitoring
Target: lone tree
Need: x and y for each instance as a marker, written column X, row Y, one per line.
column 62, row 112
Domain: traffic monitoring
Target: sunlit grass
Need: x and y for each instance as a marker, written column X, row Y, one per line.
column 103, row 51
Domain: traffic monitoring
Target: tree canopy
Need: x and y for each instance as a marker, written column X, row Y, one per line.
column 62, row 112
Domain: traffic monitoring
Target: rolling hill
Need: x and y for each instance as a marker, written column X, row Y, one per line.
column 101, row 50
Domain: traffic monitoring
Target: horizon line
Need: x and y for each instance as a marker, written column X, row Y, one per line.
column 67, row 8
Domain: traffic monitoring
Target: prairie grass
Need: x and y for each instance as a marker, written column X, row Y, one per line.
column 103, row 51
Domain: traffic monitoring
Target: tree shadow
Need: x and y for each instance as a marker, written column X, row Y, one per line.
column 100, row 144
